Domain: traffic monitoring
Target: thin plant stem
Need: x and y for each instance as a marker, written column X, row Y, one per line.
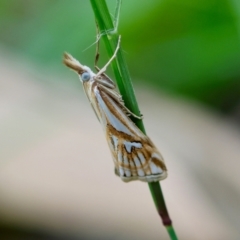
column 109, row 34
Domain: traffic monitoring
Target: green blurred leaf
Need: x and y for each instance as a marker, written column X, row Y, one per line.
column 186, row 47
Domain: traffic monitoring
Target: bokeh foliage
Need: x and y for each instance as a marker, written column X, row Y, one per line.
column 190, row 48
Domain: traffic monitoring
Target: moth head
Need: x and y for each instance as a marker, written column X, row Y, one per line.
column 84, row 72
column 85, row 76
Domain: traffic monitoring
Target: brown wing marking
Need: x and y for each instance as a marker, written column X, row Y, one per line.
column 139, row 160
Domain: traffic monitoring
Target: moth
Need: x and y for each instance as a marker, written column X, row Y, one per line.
column 134, row 155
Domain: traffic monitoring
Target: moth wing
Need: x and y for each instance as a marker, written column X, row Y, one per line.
column 134, row 155
column 136, row 160
column 139, row 162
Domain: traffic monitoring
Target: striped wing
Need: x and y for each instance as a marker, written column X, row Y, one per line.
column 134, row 155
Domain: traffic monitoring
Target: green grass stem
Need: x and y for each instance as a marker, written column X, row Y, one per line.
column 110, row 37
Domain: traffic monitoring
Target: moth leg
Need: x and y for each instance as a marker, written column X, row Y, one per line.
column 101, row 71
column 132, row 114
column 108, row 32
column 117, row 16
column 99, row 35
column 97, row 55
column 115, row 21
column 118, row 98
column 104, row 75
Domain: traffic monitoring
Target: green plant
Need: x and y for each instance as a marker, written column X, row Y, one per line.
column 109, row 34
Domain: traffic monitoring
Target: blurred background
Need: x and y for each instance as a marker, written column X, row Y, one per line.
column 56, row 173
